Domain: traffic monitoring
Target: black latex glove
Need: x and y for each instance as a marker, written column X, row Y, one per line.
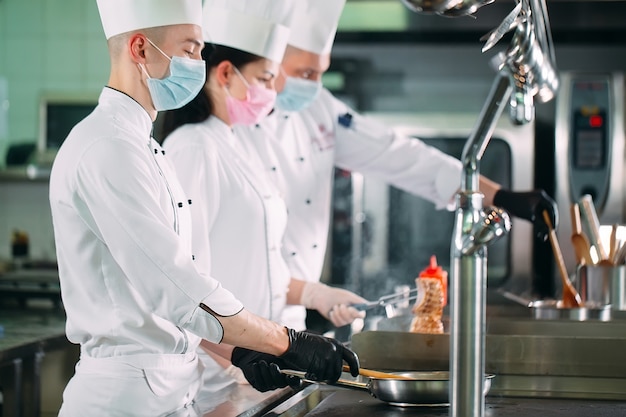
column 262, row 370
column 320, row 357
column 529, row 205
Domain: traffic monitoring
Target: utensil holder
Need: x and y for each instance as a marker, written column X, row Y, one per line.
column 602, row 285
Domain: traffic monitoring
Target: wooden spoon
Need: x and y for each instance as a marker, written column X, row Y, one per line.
column 588, row 212
column 579, row 240
column 582, row 248
column 571, row 298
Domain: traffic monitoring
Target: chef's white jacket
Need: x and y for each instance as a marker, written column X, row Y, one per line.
column 238, row 216
column 129, row 283
column 301, row 149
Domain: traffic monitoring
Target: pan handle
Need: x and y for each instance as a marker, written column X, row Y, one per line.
column 348, row 383
column 517, row 298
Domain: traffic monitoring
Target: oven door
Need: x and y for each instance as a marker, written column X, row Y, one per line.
column 394, row 233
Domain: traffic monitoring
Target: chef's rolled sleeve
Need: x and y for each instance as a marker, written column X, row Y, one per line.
column 368, row 146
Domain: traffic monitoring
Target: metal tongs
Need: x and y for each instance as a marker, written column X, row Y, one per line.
column 388, row 300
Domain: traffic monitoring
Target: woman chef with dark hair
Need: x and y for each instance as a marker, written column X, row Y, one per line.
column 238, row 214
column 135, row 301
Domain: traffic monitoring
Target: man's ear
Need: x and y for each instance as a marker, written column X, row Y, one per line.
column 137, row 45
column 223, row 73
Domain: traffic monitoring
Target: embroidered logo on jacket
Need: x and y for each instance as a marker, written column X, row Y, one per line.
column 325, row 139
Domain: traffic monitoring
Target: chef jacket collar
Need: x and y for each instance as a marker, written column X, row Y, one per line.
column 214, row 122
column 128, row 110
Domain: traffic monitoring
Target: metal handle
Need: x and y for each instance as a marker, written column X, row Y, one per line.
column 516, row 298
column 348, row 383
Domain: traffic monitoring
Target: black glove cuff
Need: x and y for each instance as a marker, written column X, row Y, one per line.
column 515, row 203
column 291, row 333
column 238, row 354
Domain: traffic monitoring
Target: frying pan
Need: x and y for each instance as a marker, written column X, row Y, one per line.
column 416, row 389
column 555, row 310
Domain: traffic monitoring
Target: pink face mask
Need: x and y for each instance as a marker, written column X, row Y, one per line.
column 258, row 103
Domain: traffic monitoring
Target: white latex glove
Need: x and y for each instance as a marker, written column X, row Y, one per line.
column 332, row 303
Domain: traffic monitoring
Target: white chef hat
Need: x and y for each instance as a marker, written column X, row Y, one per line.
column 260, row 27
column 121, row 16
column 314, row 25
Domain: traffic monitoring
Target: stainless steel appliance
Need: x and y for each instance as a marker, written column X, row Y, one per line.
column 468, row 271
column 589, row 149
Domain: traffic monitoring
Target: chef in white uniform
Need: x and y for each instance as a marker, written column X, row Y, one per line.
column 135, row 301
column 310, row 132
column 238, row 214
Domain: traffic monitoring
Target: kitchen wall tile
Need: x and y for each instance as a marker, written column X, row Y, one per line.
column 64, row 62
column 24, row 18
column 24, row 58
column 3, row 25
column 92, row 26
column 61, row 85
column 29, row 130
column 4, row 117
column 97, row 64
column 2, row 47
column 64, row 17
column 23, row 110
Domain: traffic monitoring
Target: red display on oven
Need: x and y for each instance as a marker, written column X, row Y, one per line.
column 596, row 121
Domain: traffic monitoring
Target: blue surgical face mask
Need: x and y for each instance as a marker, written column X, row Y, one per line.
column 297, row 94
column 186, row 79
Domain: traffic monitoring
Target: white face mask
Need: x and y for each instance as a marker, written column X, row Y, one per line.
column 186, row 79
column 297, row 94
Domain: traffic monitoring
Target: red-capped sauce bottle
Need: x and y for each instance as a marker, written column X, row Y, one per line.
column 436, row 271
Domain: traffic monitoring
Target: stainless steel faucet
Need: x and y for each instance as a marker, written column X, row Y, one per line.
column 526, row 71
column 468, row 271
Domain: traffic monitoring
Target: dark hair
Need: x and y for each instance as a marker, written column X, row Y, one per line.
column 201, row 107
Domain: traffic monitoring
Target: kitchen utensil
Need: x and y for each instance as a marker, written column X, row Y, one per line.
column 555, row 310
column 419, row 389
column 620, row 256
column 582, row 249
column 613, row 243
column 516, row 298
column 618, row 289
column 595, row 283
column 510, row 21
column 386, row 300
column 375, row 374
column 579, row 240
column 589, row 218
column 451, row 8
column 570, row 296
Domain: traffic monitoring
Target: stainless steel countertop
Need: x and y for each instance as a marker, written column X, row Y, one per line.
column 318, row 400
column 244, row 401
column 27, row 331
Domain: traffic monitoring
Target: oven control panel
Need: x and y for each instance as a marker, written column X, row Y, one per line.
column 590, row 148
column 590, row 137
